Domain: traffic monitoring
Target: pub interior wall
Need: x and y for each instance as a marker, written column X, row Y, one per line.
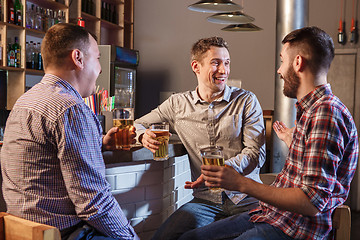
column 164, row 32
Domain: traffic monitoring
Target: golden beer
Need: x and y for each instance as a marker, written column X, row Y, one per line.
column 214, row 160
column 122, row 140
column 163, row 137
column 213, row 155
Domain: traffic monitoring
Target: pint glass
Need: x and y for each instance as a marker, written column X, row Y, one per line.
column 123, row 118
column 213, row 156
column 162, row 135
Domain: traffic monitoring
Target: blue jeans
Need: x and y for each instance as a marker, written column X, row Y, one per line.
column 198, row 213
column 236, row 227
column 82, row 231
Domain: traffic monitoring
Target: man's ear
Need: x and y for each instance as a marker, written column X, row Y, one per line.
column 299, row 63
column 78, row 58
column 195, row 65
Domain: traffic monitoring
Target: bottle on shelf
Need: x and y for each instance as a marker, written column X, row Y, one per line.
column 1, row 10
column 103, row 10
column 11, row 12
column 38, row 22
column 17, row 51
column 40, row 64
column 113, row 17
column 1, row 52
column 34, row 57
column 11, row 56
column 28, row 55
column 18, row 13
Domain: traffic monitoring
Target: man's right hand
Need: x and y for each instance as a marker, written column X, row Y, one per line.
column 284, row 133
column 149, row 142
column 196, row 184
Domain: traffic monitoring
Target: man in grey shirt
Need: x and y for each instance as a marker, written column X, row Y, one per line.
column 212, row 114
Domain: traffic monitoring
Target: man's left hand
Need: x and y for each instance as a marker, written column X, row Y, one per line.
column 109, row 138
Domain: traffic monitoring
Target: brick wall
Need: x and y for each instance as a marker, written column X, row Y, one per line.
column 150, row 191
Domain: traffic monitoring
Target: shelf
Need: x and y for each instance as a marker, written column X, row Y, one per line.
column 12, row 69
column 120, row 34
column 110, row 25
column 14, row 26
column 35, row 33
column 49, row 4
column 34, row 72
column 89, row 17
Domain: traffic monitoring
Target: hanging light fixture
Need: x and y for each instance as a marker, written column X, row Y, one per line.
column 215, row 6
column 230, row 18
column 247, row 27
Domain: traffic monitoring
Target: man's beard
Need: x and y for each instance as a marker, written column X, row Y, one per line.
column 291, row 83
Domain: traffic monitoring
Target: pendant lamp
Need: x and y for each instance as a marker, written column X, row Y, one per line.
column 248, row 27
column 215, row 6
column 230, row 18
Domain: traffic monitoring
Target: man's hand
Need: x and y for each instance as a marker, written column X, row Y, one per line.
column 196, row 184
column 109, row 138
column 149, row 142
column 284, row 133
column 223, row 177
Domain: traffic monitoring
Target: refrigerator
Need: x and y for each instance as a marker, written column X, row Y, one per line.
column 118, row 74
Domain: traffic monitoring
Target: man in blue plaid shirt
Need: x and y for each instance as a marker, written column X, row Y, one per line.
column 51, row 161
column 322, row 156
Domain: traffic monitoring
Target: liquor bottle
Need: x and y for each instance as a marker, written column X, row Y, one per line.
column 11, row 12
column 103, row 10
column 44, row 20
column 38, row 19
column 34, row 57
column 11, row 56
column 28, row 55
column 113, row 18
column 17, row 51
column 18, row 13
column 40, row 64
column 1, row 12
column 1, row 52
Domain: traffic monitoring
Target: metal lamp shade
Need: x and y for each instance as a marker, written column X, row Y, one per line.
column 248, row 27
column 215, row 6
column 230, row 18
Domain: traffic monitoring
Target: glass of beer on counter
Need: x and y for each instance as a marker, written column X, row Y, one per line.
column 162, row 135
column 123, row 118
column 213, row 155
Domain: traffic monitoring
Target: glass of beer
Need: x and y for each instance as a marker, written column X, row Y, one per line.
column 123, row 118
column 213, row 155
column 162, row 135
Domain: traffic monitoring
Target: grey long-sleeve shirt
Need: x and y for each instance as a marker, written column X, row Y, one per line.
column 234, row 122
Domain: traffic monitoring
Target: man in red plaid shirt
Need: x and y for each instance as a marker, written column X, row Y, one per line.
column 323, row 153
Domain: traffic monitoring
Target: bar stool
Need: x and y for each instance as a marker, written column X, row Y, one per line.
column 16, row 228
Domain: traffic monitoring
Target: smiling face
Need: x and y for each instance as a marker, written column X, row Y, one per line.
column 287, row 73
column 213, row 70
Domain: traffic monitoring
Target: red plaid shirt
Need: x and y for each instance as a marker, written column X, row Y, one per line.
column 321, row 161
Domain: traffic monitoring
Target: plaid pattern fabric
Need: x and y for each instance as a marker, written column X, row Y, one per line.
column 234, row 121
column 321, row 161
column 52, row 166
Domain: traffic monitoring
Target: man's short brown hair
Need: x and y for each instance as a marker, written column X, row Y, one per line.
column 316, row 46
column 203, row 45
column 60, row 40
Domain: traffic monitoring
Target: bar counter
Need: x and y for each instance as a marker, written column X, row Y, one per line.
column 139, row 153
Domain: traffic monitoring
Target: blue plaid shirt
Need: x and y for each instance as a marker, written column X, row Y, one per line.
column 52, row 166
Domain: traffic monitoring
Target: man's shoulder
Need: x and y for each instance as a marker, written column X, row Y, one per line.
column 47, row 100
column 241, row 93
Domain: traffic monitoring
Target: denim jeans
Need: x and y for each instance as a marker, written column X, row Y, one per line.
column 198, row 213
column 236, row 227
column 82, row 231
